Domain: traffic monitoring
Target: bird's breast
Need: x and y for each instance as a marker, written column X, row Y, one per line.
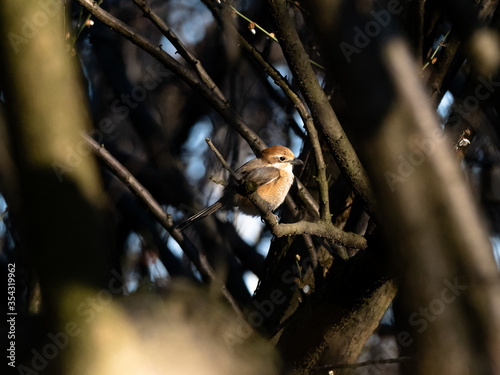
column 274, row 193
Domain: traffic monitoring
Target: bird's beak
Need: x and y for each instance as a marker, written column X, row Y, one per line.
column 296, row 162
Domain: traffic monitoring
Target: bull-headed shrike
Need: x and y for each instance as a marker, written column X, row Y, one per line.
column 271, row 173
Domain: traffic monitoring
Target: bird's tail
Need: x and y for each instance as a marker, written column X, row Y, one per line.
column 200, row 215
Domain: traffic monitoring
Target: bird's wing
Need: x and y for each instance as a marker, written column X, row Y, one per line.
column 260, row 175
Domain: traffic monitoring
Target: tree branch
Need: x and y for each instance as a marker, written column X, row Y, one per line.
column 321, row 110
column 321, row 229
column 221, row 159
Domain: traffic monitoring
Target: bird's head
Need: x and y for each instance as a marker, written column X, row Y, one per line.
column 280, row 157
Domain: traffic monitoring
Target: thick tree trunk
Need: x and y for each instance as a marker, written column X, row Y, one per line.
column 59, row 203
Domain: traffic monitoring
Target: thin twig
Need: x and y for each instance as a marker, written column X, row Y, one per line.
column 3, row 214
column 306, row 197
column 218, row 181
column 270, row 35
column 221, row 159
column 441, row 44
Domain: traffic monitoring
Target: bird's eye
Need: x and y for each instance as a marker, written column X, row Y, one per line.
column 282, row 158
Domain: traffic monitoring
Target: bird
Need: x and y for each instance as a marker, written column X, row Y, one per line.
column 271, row 173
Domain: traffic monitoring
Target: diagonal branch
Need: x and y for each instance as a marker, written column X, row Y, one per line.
column 177, row 43
column 221, row 159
